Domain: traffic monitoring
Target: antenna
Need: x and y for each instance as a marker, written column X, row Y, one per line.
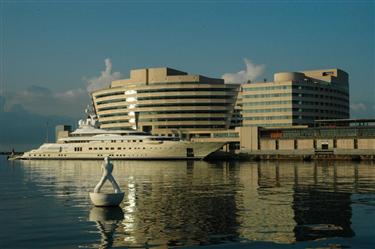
column 47, row 132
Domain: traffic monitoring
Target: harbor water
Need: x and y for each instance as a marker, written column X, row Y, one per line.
column 278, row 204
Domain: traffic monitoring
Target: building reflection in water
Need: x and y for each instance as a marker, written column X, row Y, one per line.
column 288, row 202
column 197, row 203
column 321, row 213
column 180, row 204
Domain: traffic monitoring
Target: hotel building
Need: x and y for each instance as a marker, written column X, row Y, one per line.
column 166, row 101
column 296, row 98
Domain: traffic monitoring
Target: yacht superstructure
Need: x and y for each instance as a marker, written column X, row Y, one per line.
column 90, row 142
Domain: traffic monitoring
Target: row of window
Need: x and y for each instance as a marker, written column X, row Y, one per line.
column 176, row 89
column 277, row 102
column 317, row 90
column 210, row 104
column 285, row 117
column 119, row 121
column 319, row 133
column 229, row 134
column 296, row 102
column 323, row 146
column 118, row 148
column 295, row 87
column 320, row 97
column 295, row 110
column 165, row 97
column 208, row 112
column 266, row 88
column 321, row 103
column 181, row 119
column 191, row 126
column 269, row 125
column 112, row 141
column 301, row 95
column 269, row 117
column 268, row 95
column 270, row 110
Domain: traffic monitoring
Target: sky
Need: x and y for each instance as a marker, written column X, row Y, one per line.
column 54, row 52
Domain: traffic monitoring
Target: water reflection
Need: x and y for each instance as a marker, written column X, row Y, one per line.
column 198, row 203
column 107, row 220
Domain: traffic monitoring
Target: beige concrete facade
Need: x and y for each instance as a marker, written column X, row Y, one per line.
column 166, row 101
column 254, row 141
column 296, row 98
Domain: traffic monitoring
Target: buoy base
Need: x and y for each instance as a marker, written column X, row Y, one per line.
column 106, row 199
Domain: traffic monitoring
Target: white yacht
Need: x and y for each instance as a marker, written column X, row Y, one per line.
column 90, row 142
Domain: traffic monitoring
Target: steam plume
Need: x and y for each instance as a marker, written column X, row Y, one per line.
column 105, row 79
column 252, row 72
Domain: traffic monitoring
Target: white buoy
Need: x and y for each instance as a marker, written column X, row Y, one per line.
column 107, row 199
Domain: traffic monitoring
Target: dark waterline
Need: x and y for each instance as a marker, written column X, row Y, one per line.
column 45, row 204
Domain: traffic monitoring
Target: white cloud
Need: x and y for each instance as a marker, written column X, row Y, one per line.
column 43, row 101
column 251, row 72
column 104, row 80
column 358, row 106
column 74, row 93
column 362, row 109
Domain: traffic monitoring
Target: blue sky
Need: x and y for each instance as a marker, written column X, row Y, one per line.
column 55, row 47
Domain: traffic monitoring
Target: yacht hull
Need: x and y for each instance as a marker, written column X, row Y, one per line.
column 155, row 150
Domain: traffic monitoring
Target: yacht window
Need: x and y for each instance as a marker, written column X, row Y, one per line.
column 106, row 148
column 90, row 148
column 141, row 141
column 112, row 148
column 134, row 141
column 100, row 148
column 119, row 148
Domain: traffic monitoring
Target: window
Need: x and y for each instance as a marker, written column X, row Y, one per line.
column 276, row 144
column 355, row 143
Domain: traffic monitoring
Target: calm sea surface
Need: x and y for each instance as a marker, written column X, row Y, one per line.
column 45, row 204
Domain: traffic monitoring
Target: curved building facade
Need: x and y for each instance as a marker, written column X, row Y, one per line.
column 166, row 101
